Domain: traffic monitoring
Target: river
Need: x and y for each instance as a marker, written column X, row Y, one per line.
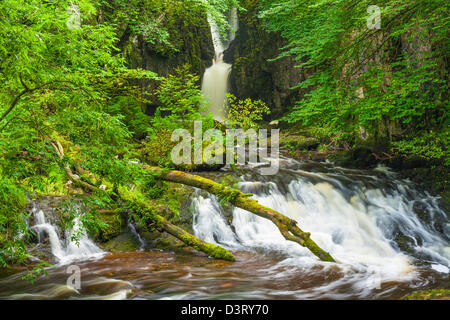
column 389, row 238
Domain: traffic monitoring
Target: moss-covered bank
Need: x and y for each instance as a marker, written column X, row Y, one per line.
column 434, row 294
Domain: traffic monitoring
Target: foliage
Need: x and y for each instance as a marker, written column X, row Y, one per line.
column 180, row 95
column 431, row 145
column 182, row 104
column 159, row 22
column 62, row 84
column 67, row 83
column 13, row 226
column 37, row 271
column 245, row 113
column 382, row 80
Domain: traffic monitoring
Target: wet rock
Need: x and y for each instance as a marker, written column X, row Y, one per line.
column 160, row 241
column 253, row 75
column 299, row 142
column 421, row 211
column 359, row 157
column 122, row 243
column 41, row 252
column 405, row 243
column 51, row 206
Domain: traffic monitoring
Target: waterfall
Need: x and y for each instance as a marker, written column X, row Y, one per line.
column 65, row 251
column 362, row 224
column 137, row 236
column 215, row 78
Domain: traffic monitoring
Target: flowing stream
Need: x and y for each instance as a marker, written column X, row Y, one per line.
column 65, row 250
column 388, row 237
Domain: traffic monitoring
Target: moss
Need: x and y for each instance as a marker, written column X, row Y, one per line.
column 115, row 226
column 150, row 214
column 177, row 200
column 122, row 243
column 241, row 200
column 434, row 294
column 211, row 250
column 299, row 142
column 157, row 151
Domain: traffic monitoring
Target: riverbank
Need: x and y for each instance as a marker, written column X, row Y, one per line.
column 345, row 210
column 431, row 175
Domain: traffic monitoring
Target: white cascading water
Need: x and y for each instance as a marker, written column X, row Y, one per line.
column 358, row 228
column 137, row 236
column 65, row 251
column 215, row 78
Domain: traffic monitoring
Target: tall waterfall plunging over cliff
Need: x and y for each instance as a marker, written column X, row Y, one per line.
column 215, row 78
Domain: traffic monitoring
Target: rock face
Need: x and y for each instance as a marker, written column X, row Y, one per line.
column 252, row 75
column 195, row 48
column 193, row 45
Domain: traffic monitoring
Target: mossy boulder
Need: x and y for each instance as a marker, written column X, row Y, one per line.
column 434, row 294
column 115, row 224
column 177, row 201
column 359, row 157
column 157, row 151
column 299, row 142
column 122, row 243
column 161, row 241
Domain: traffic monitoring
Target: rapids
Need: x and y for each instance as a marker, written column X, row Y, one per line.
column 389, row 237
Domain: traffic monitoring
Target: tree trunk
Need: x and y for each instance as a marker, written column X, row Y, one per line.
column 157, row 220
column 287, row 226
column 210, row 249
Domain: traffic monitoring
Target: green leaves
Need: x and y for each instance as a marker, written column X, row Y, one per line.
column 382, row 80
column 180, row 95
column 245, row 113
column 13, row 226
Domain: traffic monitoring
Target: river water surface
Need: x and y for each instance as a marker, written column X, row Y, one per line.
column 389, row 238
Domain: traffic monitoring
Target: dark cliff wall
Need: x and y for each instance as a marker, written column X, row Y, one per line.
column 193, row 46
column 253, row 75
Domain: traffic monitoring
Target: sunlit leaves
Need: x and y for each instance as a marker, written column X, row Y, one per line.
column 362, row 77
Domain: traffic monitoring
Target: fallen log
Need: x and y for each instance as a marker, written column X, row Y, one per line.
column 162, row 224
column 287, row 226
column 156, row 220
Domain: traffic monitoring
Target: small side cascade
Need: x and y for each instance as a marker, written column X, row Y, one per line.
column 137, row 236
column 65, row 250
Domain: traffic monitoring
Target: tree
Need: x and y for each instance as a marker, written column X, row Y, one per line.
column 371, row 78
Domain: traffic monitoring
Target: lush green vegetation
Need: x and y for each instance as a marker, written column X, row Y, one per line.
column 391, row 82
column 70, row 81
column 245, row 113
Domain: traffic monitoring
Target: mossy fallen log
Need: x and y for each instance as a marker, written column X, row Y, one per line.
column 160, row 223
column 287, row 226
column 155, row 219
